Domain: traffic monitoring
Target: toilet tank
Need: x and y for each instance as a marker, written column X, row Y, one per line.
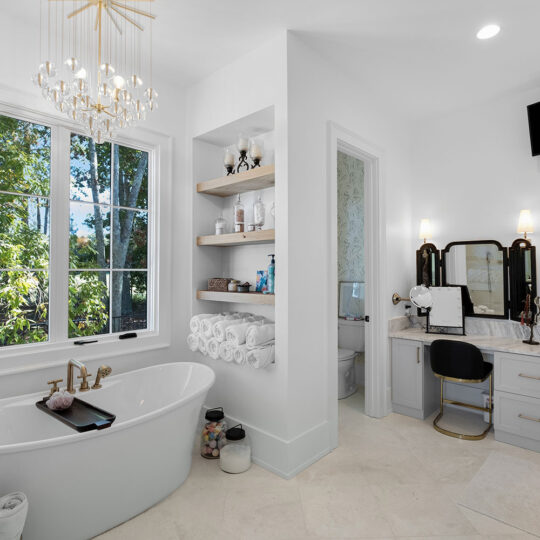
column 351, row 335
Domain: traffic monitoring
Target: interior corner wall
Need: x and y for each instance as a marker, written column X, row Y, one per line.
column 474, row 172
column 319, row 93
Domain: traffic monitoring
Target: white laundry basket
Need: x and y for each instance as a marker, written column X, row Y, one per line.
column 13, row 511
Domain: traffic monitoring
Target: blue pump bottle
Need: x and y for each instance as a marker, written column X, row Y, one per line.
column 271, row 275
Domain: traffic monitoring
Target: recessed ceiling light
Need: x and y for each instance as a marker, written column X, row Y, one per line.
column 488, row 31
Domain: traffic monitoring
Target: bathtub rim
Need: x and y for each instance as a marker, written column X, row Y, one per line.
column 77, row 437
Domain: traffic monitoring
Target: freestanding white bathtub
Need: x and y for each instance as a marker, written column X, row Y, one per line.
column 81, row 484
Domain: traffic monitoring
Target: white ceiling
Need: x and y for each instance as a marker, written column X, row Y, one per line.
column 420, row 55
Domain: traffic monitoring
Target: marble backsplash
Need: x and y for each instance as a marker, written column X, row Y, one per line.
column 473, row 327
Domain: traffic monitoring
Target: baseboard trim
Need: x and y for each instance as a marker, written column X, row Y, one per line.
column 285, row 458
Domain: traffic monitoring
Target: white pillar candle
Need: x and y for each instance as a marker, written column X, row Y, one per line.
column 229, row 158
column 242, row 143
column 256, row 152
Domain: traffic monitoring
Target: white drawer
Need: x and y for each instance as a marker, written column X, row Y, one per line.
column 517, row 414
column 518, row 374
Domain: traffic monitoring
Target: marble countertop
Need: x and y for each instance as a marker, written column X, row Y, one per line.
column 484, row 343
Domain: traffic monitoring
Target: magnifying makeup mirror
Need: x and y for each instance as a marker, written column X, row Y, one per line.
column 421, row 297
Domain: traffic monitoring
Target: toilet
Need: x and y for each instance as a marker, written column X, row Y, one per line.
column 351, row 341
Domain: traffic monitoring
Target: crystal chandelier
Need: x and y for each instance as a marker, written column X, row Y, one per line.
column 97, row 56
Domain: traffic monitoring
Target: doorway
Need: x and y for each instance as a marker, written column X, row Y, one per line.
column 377, row 370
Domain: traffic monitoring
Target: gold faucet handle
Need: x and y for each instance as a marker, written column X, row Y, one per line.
column 84, row 385
column 54, row 388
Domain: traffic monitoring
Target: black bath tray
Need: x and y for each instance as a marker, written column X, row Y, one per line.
column 81, row 416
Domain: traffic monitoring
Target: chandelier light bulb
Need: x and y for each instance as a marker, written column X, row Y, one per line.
column 134, row 82
column 150, row 94
column 81, row 74
column 107, row 70
column 80, row 86
column 48, row 69
column 118, row 81
column 72, row 64
column 40, row 80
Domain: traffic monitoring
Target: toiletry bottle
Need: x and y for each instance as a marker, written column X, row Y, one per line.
column 271, row 275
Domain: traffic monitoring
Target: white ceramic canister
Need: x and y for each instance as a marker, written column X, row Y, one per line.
column 235, row 456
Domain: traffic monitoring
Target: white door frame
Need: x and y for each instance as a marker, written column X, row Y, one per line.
column 377, row 377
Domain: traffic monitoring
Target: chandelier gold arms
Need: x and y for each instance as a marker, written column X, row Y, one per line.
column 77, row 11
column 127, row 17
column 134, row 10
column 113, row 20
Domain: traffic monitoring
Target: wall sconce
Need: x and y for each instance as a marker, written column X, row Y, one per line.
column 525, row 223
column 425, row 231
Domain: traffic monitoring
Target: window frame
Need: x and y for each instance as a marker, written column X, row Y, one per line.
column 24, row 357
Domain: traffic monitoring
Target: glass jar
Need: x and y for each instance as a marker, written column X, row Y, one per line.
column 259, row 213
column 239, row 214
column 236, row 451
column 213, row 433
column 220, row 225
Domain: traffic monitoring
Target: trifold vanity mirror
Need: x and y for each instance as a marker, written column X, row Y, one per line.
column 495, row 280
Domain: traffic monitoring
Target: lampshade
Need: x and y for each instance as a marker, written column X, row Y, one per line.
column 425, row 230
column 525, row 223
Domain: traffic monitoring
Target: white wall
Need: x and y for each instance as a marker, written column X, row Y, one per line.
column 19, row 63
column 319, row 93
column 474, row 172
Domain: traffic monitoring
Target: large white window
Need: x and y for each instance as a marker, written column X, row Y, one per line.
column 75, row 236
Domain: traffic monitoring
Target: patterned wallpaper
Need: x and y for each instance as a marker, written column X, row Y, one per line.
column 350, row 218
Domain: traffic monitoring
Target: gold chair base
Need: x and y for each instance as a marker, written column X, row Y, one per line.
column 464, row 436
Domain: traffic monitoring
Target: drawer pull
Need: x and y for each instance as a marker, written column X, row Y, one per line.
column 525, row 417
column 417, row 355
column 529, row 376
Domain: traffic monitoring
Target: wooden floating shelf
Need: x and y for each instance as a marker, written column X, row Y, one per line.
column 236, row 297
column 267, row 236
column 252, row 180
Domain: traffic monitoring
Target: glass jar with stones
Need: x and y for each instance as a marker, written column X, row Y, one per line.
column 213, row 433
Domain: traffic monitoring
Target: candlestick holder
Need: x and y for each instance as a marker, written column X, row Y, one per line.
column 229, row 169
column 256, row 162
column 242, row 161
column 530, row 318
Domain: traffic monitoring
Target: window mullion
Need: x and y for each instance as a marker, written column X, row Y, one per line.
column 59, row 265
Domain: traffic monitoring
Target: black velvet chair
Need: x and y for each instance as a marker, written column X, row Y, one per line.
column 457, row 361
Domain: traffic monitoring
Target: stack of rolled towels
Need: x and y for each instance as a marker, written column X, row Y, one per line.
column 241, row 338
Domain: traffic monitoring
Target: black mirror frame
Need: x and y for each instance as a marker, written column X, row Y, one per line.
column 514, row 263
column 506, row 273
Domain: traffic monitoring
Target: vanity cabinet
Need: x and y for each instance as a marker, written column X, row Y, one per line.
column 517, row 400
column 415, row 390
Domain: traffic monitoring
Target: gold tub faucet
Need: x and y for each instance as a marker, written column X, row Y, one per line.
column 84, row 375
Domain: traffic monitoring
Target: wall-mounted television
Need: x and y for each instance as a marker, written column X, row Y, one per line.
column 533, row 111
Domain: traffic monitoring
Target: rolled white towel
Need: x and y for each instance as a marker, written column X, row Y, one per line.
column 193, row 342
column 259, row 335
column 260, row 357
column 208, row 324
column 213, row 348
column 256, row 318
column 221, row 327
column 203, row 344
column 240, row 354
column 226, row 351
column 236, row 334
column 13, row 511
column 195, row 321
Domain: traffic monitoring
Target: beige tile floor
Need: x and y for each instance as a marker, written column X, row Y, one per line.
column 394, row 477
